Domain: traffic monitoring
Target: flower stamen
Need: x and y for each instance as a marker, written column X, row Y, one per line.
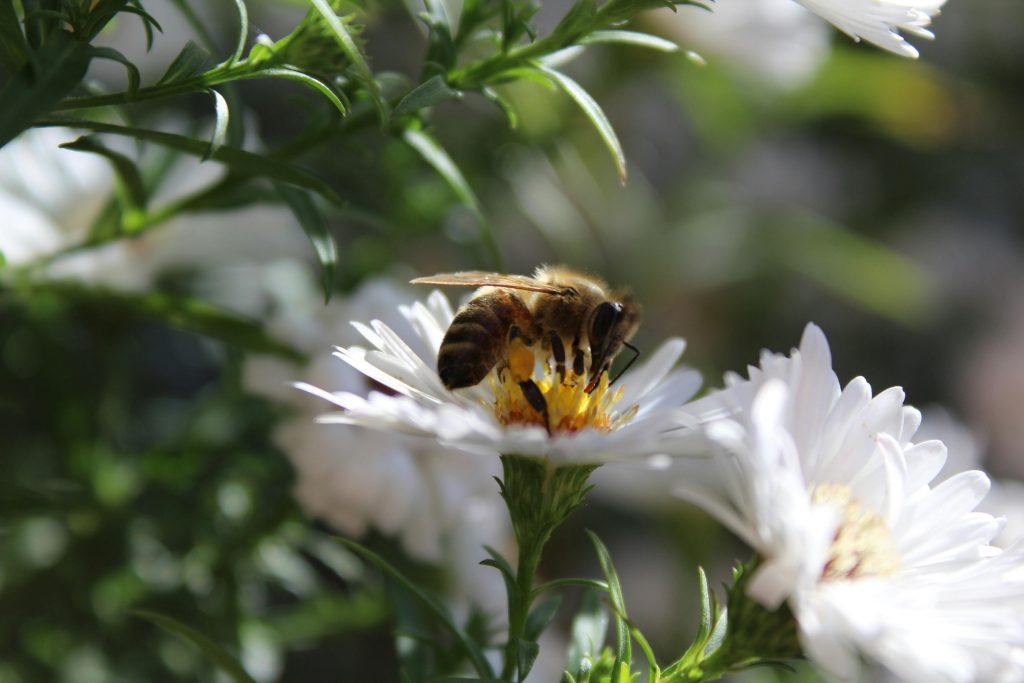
column 569, row 407
column 863, row 545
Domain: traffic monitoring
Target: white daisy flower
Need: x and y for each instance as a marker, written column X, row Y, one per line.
column 826, row 485
column 441, row 506
column 632, row 421
column 879, row 21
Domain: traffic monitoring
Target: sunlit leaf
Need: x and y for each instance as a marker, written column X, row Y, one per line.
column 593, row 112
column 220, row 127
column 630, row 38
column 243, row 32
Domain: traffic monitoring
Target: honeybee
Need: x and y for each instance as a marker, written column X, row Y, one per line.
column 558, row 307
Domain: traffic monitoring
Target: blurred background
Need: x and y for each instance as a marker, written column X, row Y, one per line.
column 778, row 174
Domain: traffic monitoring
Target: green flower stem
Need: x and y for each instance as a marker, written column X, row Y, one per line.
column 539, row 497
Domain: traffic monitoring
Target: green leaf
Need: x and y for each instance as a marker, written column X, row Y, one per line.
column 432, row 91
column 315, row 227
column 473, row 652
column 133, row 71
column 305, row 79
column 540, row 616
column 13, row 46
column 706, row 616
column 589, row 628
column 127, row 171
column 214, row 652
column 623, row 652
column 243, row 32
column 220, row 127
column 435, row 155
column 52, row 72
column 576, row 22
column 594, row 113
column 630, row 38
column 348, row 45
column 238, row 160
column 526, row 653
column 190, row 62
column 503, row 104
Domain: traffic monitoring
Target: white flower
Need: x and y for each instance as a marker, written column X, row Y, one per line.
column 827, row 486
column 441, row 505
column 879, row 21
column 634, row 421
column 775, row 41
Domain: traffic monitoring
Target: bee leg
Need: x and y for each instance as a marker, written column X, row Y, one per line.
column 536, row 400
column 558, row 351
column 579, row 361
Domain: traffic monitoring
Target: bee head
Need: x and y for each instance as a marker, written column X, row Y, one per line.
column 611, row 325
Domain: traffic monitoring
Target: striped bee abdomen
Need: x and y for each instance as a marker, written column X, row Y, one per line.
column 478, row 337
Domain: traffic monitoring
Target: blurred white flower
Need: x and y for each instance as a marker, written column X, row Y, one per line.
column 775, row 41
column 879, row 21
column 49, row 198
column 442, row 505
column 826, row 485
column 630, row 423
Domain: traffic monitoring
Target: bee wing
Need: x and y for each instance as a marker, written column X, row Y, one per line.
column 480, row 278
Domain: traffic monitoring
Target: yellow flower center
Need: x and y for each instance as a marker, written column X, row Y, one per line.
column 569, row 407
column 863, row 545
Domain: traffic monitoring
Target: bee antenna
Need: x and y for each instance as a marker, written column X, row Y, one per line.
column 636, row 354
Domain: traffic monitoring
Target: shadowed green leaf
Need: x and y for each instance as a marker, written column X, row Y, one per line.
column 476, row 657
column 211, row 650
column 13, row 46
column 589, row 628
column 127, row 172
column 243, row 32
column 238, row 160
column 133, row 71
column 313, row 224
column 52, row 72
column 427, row 94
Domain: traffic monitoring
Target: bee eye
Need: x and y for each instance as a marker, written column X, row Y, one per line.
column 603, row 319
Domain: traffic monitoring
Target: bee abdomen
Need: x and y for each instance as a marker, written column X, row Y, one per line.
column 477, row 337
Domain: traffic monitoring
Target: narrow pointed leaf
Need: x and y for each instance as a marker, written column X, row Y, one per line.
column 190, row 62
column 134, row 77
column 238, row 160
column 608, row 569
column 593, row 112
column 220, row 126
column 305, row 79
column 435, row 155
column 706, row 617
column 243, row 32
column 540, row 616
column 476, row 657
column 127, row 172
column 432, row 91
column 316, row 229
column 211, row 650
column 630, row 38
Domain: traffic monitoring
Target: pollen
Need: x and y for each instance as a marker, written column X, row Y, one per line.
column 569, row 408
column 862, row 546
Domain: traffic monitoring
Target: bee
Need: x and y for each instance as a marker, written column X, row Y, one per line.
column 558, row 307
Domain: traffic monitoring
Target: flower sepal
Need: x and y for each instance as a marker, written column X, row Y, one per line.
column 742, row 635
